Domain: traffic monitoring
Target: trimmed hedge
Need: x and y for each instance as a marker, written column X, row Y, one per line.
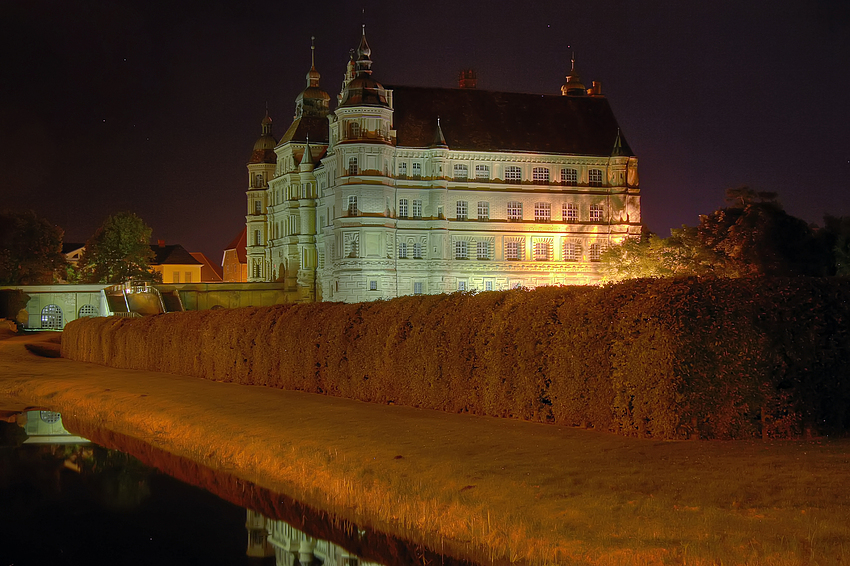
column 666, row 358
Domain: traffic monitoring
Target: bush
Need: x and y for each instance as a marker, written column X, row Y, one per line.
column 667, row 358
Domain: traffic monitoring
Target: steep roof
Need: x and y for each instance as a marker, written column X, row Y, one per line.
column 313, row 126
column 209, row 271
column 480, row 120
column 240, row 244
column 172, row 254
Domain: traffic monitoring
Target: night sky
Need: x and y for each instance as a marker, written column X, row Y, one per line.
column 154, row 106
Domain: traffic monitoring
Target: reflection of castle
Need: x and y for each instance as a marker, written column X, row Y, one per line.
column 291, row 547
column 45, row 427
column 410, row 190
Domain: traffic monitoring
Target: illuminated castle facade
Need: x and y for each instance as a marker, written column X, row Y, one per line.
column 410, row 190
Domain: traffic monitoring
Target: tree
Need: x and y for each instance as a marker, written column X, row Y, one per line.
column 118, row 250
column 30, row 249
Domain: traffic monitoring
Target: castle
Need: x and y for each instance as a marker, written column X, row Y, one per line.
column 416, row 190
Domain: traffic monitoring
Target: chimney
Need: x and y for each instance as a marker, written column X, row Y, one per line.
column 597, row 88
column 467, row 79
column 161, row 243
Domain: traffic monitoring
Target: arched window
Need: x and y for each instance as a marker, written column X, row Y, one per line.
column 88, row 311
column 51, row 317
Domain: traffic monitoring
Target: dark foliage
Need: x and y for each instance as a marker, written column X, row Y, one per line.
column 30, row 249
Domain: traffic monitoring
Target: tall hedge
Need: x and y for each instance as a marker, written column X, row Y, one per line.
column 668, row 358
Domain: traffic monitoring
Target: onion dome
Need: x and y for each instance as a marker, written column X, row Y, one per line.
column 363, row 90
column 573, row 86
column 264, row 146
column 313, row 101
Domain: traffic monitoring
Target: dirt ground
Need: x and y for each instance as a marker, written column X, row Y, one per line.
column 512, row 490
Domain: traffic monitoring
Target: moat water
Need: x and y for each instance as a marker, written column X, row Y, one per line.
column 66, row 500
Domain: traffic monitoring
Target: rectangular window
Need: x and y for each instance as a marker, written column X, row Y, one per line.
column 482, row 172
column 482, row 250
column 461, row 249
column 595, row 252
column 512, row 250
column 462, row 207
column 461, row 285
column 483, row 210
column 402, row 208
column 596, row 213
column 417, row 208
column 373, row 285
column 513, row 175
column 570, row 212
column 488, row 285
column 352, row 205
column 540, row 175
column 176, row 277
column 572, row 251
column 258, row 241
column 569, row 177
column 541, row 251
column 402, row 169
column 417, row 287
column 514, row 211
column 402, row 250
column 460, row 172
column 542, row 212
column 258, row 207
column 594, row 177
column 353, row 169
column 188, row 277
column 417, row 170
column 417, row 251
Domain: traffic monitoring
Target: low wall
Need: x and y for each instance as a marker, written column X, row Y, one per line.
column 203, row 296
column 673, row 358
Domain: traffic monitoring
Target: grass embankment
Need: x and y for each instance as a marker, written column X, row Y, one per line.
column 675, row 358
column 477, row 486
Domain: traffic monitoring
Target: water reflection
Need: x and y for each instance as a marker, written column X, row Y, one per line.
column 50, row 463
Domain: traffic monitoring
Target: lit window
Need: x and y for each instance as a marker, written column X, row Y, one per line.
column 417, row 251
column 513, row 175
column 542, row 212
column 352, row 205
column 417, row 287
column 88, row 310
column 402, row 250
column 461, row 210
column 540, row 175
column 461, row 249
column 541, row 251
column 514, row 211
column 594, row 177
column 417, row 208
column 482, row 172
column 461, row 285
column 570, row 212
column 572, row 251
column 483, row 250
column 352, row 166
column 417, row 170
column 596, row 213
column 51, row 317
column 373, row 285
column 402, row 169
column 483, row 210
column 488, row 285
column 569, row 177
column 512, row 250
column 461, row 172
column 402, row 208
column 595, row 252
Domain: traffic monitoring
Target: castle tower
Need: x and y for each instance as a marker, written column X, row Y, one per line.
column 261, row 168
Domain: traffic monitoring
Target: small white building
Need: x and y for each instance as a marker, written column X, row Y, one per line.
column 413, row 190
